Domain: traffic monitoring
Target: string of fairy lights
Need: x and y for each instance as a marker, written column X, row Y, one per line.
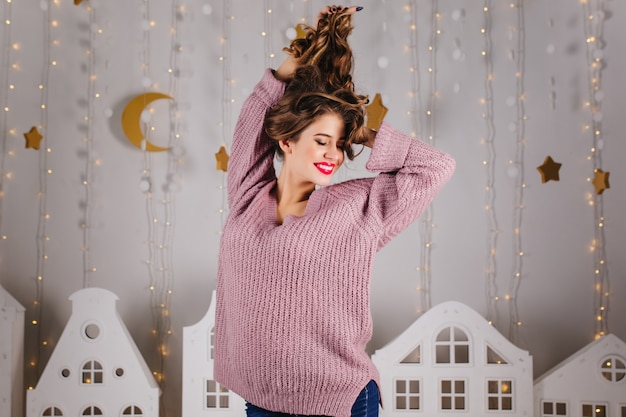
column 43, row 215
column 161, row 208
column 88, row 143
column 593, row 18
column 415, row 114
column 227, row 97
column 8, row 87
column 267, row 33
column 427, row 217
column 519, row 35
column 491, row 267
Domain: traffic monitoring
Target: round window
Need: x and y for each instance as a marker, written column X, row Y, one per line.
column 92, row 331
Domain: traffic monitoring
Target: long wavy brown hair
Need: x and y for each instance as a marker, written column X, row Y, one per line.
column 322, row 84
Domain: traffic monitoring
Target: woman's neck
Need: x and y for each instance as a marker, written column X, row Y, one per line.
column 291, row 197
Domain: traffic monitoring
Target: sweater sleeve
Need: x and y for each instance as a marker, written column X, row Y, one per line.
column 252, row 154
column 411, row 174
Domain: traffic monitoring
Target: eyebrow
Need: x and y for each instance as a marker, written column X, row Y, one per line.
column 326, row 135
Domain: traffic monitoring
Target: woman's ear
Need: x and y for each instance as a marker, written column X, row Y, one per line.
column 285, row 145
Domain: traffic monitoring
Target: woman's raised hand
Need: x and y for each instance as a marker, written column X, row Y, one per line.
column 328, row 10
column 290, row 64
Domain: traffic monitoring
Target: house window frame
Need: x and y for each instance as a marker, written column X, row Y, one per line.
column 407, row 395
column 211, row 343
column 54, row 411
column 133, row 411
column 500, row 395
column 92, row 372
column 220, row 393
column 454, row 395
column 92, row 410
column 594, row 406
column 612, row 371
column 554, row 403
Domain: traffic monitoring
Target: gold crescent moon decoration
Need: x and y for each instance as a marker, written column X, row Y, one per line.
column 131, row 120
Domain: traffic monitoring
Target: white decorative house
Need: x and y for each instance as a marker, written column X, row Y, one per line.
column 96, row 368
column 590, row 383
column 202, row 395
column 450, row 360
column 11, row 355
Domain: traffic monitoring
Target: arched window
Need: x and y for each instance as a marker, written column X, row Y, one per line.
column 211, row 344
column 132, row 410
column 613, row 369
column 452, row 346
column 52, row 411
column 92, row 373
column 92, row 410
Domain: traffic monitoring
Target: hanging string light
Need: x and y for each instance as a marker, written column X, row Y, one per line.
column 491, row 288
column 415, row 113
column 146, row 185
column 427, row 224
column 593, row 18
column 267, row 34
column 88, row 141
column 518, row 55
column 44, row 172
column 227, row 99
column 224, row 123
column 7, row 89
column 160, row 211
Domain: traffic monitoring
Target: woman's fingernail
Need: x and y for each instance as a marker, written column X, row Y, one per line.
column 358, row 9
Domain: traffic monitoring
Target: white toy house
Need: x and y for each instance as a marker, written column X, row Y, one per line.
column 202, row 395
column 590, row 383
column 451, row 361
column 96, row 368
column 11, row 355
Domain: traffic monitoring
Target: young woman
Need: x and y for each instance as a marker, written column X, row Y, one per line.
column 293, row 315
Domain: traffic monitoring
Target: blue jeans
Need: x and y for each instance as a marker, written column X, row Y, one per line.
column 366, row 405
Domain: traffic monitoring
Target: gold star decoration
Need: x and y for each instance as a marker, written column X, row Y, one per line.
column 376, row 112
column 601, row 181
column 222, row 159
column 549, row 170
column 300, row 32
column 33, row 138
column 77, row 2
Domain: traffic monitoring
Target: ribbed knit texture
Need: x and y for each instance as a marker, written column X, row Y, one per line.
column 293, row 312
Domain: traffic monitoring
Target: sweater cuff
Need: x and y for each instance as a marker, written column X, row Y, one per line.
column 272, row 88
column 390, row 150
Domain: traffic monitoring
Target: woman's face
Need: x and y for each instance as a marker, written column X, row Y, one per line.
column 318, row 153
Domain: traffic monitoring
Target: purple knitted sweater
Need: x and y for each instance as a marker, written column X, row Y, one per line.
column 293, row 312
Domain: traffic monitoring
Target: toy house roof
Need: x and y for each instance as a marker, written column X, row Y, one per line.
column 609, row 344
column 97, row 306
column 7, row 300
column 425, row 328
column 208, row 319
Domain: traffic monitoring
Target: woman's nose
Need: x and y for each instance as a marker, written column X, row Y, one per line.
column 333, row 153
